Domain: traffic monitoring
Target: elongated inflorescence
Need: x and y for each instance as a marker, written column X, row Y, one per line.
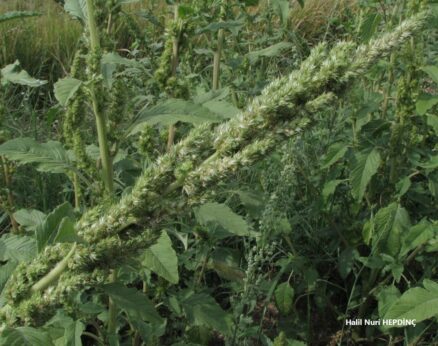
column 187, row 175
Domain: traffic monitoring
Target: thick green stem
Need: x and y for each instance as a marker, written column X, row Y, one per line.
column 107, row 167
column 77, row 190
column 8, row 183
column 175, row 49
column 218, row 53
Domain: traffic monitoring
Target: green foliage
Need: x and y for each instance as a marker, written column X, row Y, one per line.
column 48, row 157
column 17, row 14
column 13, row 74
column 416, row 303
column 161, row 258
column 287, row 202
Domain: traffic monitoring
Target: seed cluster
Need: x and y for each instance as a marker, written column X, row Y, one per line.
column 187, row 175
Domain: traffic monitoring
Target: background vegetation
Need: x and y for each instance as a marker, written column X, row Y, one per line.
column 335, row 221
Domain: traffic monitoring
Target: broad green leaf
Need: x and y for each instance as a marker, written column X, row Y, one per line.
column 14, row 74
column 284, row 297
column 222, row 108
column 29, row 218
column 432, row 71
column 221, row 215
column 66, row 232
column 173, row 111
column 17, row 14
column 225, row 262
column 135, row 303
column 281, row 8
column 335, row 153
column 25, row 336
column 430, row 285
column 431, row 164
column 416, row 236
column 46, row 232
column 301, row 2
column 272, row 51
column 65, row 89
column 365, row 167
column 330, row 188
column 346, row 261
column 161, row 258
column 77, row 9
column 72, row 329
column 49, row 157
column 403, row 186
column 432, row 121
column 18, row 248
column 6, row 271
column 253, row 201
column 389, row 225
column 386, row 298
column 212, row 95
column 202, row 310
column 369, row 26
column 425, row 102
column 416, row 303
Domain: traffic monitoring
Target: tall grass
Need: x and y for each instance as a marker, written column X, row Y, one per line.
column 44, row 45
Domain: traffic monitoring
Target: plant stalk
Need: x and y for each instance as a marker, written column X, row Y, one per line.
column 10, row 197
column 218, row 52
column 175, row 49
column 107, row 167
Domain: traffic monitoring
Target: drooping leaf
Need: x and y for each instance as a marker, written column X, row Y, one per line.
column 432, row 71
column 49, row 157
column 46, row 232
column 14, row 74
column 346, row 261
column 284, row 295
column 18, row 248
column 17, row 14
column 66, row 232
column 221, row 215
column 365, row 167
column 65, row 89
column 425, row 102
column 72, row 329
column 272, row 51
column 77, row 9
column 431, row 164
column 432, row 121
column 135, row 303
column 222, row 108
column 173, row 110
column 330, row 188
column 226, row 264
column 281, row 9
column 202, row 310
column 369, row 26
column 161, row 258
column 6, row 271
column 416, row 303
column 29, row 218
column 389, row 224
column 335, row 153
column 416, row 236
column 25, row 336
column 386, row 298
